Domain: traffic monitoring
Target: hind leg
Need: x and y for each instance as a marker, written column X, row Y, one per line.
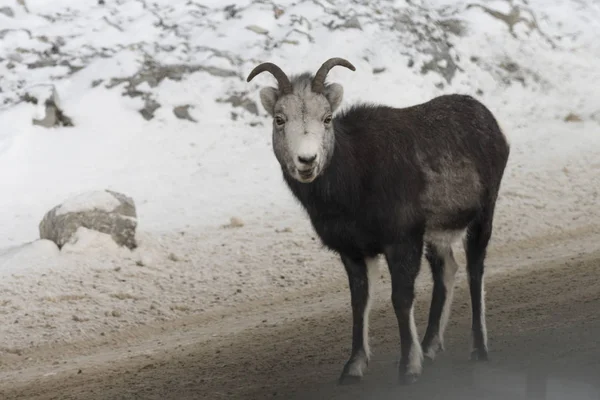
column 478, row 237
column 443, row 270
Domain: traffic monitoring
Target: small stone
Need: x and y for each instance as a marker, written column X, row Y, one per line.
column 378, row 70
column 183, row 112
column 509, row 66
column 150, row 106
column 278, row 12
column 571, row 117
column 53, row 114
column 77, row 318
column 353, row 23
column 257, row 29
column 234, row 222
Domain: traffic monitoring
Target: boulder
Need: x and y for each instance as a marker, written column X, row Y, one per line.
column 7, row 11
column 103, row 211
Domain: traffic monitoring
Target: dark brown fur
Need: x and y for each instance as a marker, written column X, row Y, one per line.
column 386, row 173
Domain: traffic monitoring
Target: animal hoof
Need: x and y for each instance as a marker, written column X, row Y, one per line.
column 408, row 379
column 431, row 351
column 346, row 379
column 479, row 355
column 353, row 370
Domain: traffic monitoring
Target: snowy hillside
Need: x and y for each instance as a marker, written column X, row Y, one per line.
column 156, row 95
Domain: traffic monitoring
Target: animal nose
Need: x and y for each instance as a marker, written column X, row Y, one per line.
column 307, row 160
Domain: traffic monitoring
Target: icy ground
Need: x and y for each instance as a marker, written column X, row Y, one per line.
column 161, row 111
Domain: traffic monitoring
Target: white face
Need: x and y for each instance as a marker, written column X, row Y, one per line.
column 303, row 134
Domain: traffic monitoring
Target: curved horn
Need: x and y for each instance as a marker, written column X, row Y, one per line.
column 284, row 83
column 318, row 83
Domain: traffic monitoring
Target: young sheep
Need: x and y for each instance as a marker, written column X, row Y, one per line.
column 393, row 181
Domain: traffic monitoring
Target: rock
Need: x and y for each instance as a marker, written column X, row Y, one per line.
column 278, row 12
column 53, row 114
column 150, row 106
column 230, row 11
column 215, row 71
column 454, row 26
column 571, row 117
column 241, row 101
column 234, row 222
column 509, row 66
column 353, row 23
column 23, row 4
column 257, row 29
column 104, row 211
column 7, row 11
column 183, row 112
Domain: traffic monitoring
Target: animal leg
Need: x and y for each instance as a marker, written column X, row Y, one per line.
column 443, row 269
column 361, row 274
column 404, row 261
column 478, row 236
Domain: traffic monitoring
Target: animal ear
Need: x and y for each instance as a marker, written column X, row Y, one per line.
column 268, row 98
column 334, row 92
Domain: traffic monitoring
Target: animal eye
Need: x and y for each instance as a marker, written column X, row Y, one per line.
column 327, row 119
column 279, row 121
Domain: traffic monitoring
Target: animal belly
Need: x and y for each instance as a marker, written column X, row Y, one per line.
column 451, row 219
column 444, row 238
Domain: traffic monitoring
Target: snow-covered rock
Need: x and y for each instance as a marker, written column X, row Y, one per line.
column 7, row 11
column 104, row 211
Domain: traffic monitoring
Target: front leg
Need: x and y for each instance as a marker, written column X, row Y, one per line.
column 360, row 278
column 404, row 262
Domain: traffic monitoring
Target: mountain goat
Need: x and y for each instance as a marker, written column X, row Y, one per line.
column 394, row 181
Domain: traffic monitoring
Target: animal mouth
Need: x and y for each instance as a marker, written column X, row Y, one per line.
column 307, row 174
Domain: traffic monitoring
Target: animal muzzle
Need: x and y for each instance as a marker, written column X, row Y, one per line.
column 306, row 171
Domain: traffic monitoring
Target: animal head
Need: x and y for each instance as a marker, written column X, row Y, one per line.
column 302, row 111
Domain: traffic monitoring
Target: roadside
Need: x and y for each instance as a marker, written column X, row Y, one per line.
column 543, row 297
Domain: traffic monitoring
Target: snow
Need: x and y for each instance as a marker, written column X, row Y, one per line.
column 99, row 200
column 188, row 179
